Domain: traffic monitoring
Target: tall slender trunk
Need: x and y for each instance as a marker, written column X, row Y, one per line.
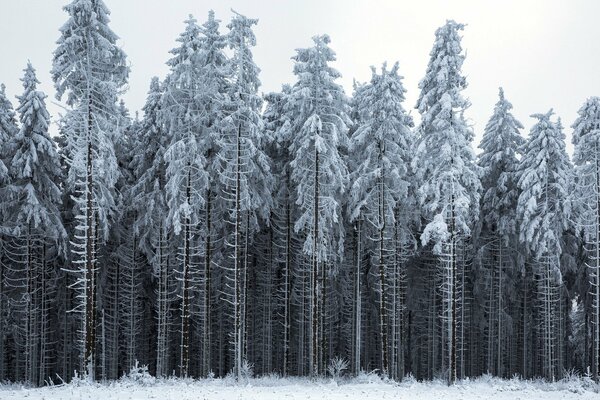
column 161, row 340
column 596, row 285
column 382, row 281
column 313, row 343
column 2, row 325
column 237, row 259
column 287, row 285
column 500, row 335
column 44, row 304
column 29, row 321
column 357, row 300
column 206, row 340
column 90, row 256
column 525, row 332
column 185, row 300
column 452, row 300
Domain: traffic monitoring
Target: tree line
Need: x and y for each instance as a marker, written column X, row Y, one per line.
column 226, row 231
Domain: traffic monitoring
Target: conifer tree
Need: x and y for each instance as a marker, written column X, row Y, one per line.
column 318, row 119
column 149, row 200
column 33, row 218
column 245, row 176
column 543, row 212
column 586, row 156
column 186, row 176
column 8, row 129
column 89, row 69
column 215, row 69
column 444, row 159
column 501, row 147
column 381, row 147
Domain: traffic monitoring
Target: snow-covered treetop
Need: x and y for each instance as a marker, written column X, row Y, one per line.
column 214, row 63
column 586, row 157
column 316, row 91
column 382, row 143
column 242, row 128
column 8, row 122
column 501, row 149
column 542, row 208
column 586, row 132
column 87, row 49
column 443, row 75
column 317, row 107
column 444, row 161
column 276, row 120
column 148, row 164
column 501, row 140
column 8, row 129
column 35, row 168
column 184, row 123
column 245, row 72
column 32, row 109
column 188, row 49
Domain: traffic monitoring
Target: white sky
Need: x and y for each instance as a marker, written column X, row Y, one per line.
column 545, row 53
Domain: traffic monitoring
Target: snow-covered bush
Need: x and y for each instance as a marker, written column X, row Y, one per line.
column 139, row 375
column 247, row 371
column 368, row 377
column 337, row 366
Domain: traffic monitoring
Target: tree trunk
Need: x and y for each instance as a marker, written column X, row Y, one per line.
column 185, row 301
column 357, row 301
column 206, row 340
column 313, row 343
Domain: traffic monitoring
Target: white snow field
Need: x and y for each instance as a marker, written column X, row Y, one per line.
column 367, row 388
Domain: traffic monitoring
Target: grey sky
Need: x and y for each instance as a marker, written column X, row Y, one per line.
column 545, row 53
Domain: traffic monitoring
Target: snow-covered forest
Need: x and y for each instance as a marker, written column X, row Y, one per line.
column 305, row 232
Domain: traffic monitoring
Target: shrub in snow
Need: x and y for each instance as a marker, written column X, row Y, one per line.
column 139, row 375
column 337, row 366
column 409, row 379
column 247, row 371
column 80, row 380
column 368, row 377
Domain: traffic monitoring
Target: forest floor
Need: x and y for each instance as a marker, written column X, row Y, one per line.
column 368, row 387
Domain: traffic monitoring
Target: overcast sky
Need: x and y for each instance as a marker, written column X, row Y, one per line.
column 544, row 53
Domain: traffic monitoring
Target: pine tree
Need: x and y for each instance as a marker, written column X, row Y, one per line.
column 89, row 69
column 33, row 218
column 187, row 179
column 8, row 129
column 245, row 176
column 543, row 213
column 501, row 148
column 215, row 69
column 149, row 201
column 284, row 240
column 317, row 107
column 444, row 158
column 381, row 147
column 586, row 156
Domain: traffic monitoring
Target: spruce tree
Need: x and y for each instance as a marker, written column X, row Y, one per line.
column 586, row 196
column 381, row 148
column 543, row 213
column 89, row 69
column 317, row 108
column 8, row 129
column 444, row 159
column 501, row 149
column 186, row 175
column 34, row 220
column 245, row 176
column 150, row 203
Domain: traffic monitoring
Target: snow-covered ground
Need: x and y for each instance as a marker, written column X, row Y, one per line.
column 367, row 388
